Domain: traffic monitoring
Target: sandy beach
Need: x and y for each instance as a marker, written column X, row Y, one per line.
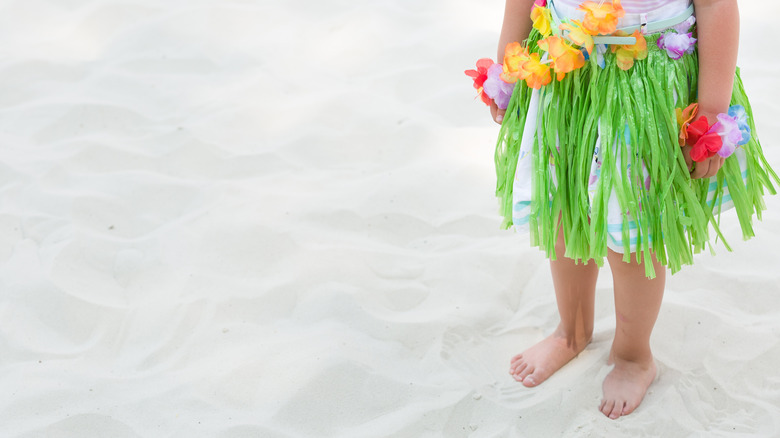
column 236, row 218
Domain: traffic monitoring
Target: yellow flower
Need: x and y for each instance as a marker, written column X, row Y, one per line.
column 601, row 18
column 541, row 18
column 565, row 58
column 626, row 54
column 578, row 35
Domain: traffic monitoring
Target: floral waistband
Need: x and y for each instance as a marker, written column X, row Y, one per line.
column 565, row 45
column 685, row 18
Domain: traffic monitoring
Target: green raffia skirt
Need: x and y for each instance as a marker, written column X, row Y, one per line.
column 567, row 156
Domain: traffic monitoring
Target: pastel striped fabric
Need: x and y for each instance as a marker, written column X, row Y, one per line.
column 631, row 6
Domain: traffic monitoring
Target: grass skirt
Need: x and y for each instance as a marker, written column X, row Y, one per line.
column 567, row 154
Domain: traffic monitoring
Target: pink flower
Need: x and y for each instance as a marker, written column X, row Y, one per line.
column 540, row 3
column 495, row 87
column 676, row 44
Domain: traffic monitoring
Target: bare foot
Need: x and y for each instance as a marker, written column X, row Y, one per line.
column 625, row 386
column 536, row 364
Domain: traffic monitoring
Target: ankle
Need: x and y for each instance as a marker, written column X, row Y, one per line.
column 577, row 338
column 641, row 357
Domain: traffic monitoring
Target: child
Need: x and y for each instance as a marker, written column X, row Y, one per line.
column 589, row 160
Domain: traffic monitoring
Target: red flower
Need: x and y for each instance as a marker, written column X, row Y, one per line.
column 705, row 141
column 480, row 75
column 707, row 146
column 696, row 130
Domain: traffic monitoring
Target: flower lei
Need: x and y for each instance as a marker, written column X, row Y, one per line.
column 722, row 137
column 561, row 55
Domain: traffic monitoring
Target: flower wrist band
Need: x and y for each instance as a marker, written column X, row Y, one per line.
column 489, row 85
column 723, row 137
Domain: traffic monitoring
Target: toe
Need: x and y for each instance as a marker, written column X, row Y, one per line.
column 628, row 408
column 513, row 369
column 607, row 406
column 516, row 362
column 534, row 378
column 519, row 374
column 524, row 373
column 617, row 410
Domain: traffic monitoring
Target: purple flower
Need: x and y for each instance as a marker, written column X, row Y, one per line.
column 676, row 44
column 495, row 88
column 728, row 129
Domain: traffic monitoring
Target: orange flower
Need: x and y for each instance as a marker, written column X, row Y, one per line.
column 601, row 18
column 515, row 55
column 626, row 54
column 684, row 117
column 536, row 73
column 541, row 18
column 521, row 65
column 578, row 35
column 565, row 58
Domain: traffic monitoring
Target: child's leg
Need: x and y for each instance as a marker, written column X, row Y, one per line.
column 637, row 302
column 575, row 287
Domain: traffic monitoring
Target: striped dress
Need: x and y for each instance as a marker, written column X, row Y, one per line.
column 630, row 6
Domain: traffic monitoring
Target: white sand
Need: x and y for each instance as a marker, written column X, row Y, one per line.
column 235, row 218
